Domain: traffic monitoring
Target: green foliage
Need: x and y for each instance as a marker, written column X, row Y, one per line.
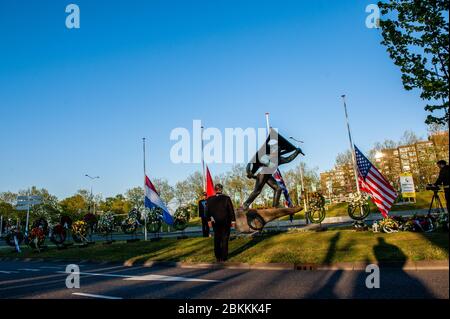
column 415, row 34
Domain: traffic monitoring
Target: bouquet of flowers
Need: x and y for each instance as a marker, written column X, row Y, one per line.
column 389, row 225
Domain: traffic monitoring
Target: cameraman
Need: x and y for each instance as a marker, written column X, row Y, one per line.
column 444, row 178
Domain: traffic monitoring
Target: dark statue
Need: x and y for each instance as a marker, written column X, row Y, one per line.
column 280, row 152
column 275, row 152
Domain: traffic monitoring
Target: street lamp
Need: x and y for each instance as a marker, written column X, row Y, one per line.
column 92, row 196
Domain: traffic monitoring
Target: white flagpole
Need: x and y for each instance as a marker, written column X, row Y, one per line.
column 268, row 134
column 145, row 176
column 351, row 145
column 267, row 123
column 203, row 161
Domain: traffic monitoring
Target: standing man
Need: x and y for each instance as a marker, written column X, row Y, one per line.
column 221, row 211
column 202, row 210
column 444, row 178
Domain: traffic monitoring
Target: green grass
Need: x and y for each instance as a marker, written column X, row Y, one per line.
column 300, row 247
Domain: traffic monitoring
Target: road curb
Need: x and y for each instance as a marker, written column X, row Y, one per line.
column 348, row 266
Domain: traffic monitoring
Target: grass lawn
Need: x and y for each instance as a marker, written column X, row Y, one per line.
column 300, row 247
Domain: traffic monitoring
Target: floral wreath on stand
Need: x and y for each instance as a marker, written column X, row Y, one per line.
column 79, row 231
column 14, row 232
column 37, row 238
column 181, row 217
column 58, row 234
column 356, row 203
column 316, row 208
column 105, row 223
column 154, row 220
column 131, row 223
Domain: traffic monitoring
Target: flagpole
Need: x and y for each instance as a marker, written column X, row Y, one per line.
column 203, row 161
column 267, row 123
column 351, row 145
column 145, row 176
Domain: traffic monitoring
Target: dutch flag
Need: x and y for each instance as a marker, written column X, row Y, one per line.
column 153, row 200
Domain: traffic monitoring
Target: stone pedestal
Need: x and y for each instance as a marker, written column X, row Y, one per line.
column 251, row 220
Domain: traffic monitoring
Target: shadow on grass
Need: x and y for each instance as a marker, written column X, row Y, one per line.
column 253, row 242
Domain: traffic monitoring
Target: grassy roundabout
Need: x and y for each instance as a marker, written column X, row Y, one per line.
column 300, row 247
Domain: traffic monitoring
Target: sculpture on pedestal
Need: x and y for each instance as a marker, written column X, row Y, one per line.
column 276, row 151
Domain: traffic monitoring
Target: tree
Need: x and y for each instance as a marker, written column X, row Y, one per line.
column 166, row 192
column 135, row 197
column 8, row 197
column 190, row 190
column 344, row 158
column 74, row 206
column 409, row 138
column 416, row 36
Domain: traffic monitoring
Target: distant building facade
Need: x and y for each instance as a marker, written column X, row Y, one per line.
column 338, row 183
column 419, row 159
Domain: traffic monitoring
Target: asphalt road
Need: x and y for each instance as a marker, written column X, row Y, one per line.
column 43, row 280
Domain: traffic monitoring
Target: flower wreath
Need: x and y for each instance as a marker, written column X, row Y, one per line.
column 37, row 237
column 358, row 200
column 181, row 217
column 58, row 235
column 106, row 223
column 79, row 231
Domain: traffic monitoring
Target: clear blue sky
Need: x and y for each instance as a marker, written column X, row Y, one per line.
column 79, row 101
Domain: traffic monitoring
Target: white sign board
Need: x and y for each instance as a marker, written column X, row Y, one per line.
column 407, row 185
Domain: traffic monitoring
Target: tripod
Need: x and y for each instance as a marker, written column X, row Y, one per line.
column 436, row 200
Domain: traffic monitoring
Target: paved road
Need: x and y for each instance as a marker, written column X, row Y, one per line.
column 47, row 280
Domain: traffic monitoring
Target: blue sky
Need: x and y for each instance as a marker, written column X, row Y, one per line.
column 79, row 101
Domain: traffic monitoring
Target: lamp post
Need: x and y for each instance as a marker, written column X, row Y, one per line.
column 92, row 195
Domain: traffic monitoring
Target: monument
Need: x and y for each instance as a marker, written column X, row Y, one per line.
column 276, row 151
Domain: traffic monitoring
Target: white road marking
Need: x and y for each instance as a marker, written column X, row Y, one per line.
column 94, row 296
column 144, row 278
column 167, row 278
column 28, row 269
column 8, row 272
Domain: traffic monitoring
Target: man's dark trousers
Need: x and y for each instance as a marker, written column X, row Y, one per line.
column 205, row 227
column 221, row 237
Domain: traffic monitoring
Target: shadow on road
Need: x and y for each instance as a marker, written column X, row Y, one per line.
column 394, row 281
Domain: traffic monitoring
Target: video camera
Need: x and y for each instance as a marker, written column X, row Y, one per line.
column 432, row 187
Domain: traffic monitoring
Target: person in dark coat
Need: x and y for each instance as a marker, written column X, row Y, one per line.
column 444, row 179
column 221, row 215
column 202, row 209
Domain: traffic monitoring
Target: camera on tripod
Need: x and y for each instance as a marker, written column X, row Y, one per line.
column 436, row 204
column 432, row 187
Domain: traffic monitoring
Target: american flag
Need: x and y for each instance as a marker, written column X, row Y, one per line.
column 372, row 182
